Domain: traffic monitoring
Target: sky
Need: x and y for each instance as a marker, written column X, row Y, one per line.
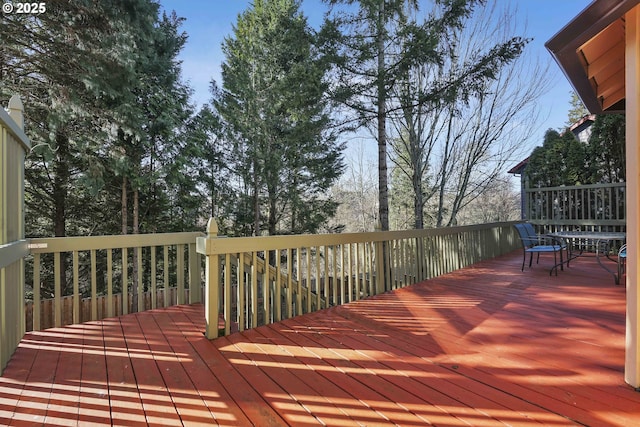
column 208, row 22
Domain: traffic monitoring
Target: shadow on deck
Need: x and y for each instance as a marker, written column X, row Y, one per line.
column 484, row 346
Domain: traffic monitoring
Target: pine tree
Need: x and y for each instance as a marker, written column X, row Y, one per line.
column 577, row 110
column 561, row 160
column 273, row 102
column 100, row 83
column 606, row 149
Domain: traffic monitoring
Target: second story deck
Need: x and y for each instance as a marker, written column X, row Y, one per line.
column 485, row 345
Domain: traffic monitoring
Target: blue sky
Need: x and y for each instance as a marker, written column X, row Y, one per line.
column 208, row 22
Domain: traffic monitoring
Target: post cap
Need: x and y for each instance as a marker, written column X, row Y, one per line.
column 212, row 228
column 16, row 110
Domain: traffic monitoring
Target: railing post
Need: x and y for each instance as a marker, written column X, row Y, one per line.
column 212, row 280
column 420, row 259
column 16, row 110
column 195, row 288
column 380, row 263
column 13, row 146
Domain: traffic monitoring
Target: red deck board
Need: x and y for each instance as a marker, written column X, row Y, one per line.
column 309, row 368
column 427, row 379
column 425, row 403
column 483, row 346
column 31, row 407
column 94, row 387
column 223, row 409
column 156, row 399
column 190, row 405
column 124, row 398
column 285, row 372
column 11, row 386
column 63, row 408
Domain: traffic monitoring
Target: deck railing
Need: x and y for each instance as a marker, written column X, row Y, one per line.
column 595, row 207
column 85, row 278
column 250, row 281
column 13, row 146
column 79, row 279
column 257, row 280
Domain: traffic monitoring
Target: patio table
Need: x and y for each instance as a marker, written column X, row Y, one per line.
column 601, row 240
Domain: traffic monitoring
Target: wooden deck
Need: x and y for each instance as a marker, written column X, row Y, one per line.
column 483, row 346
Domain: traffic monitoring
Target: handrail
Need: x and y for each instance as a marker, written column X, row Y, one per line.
column 13, row 252
column 86, row 243
column 578, row 187
column 135, row 263
column 311, row 272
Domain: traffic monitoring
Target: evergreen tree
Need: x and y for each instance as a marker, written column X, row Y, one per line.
column 563, row 160
column 104, row 102
column 560, row 161
column 62, row 64
column 273, row 102
column 103, row 97
column 204, row 177
column 151, row 138
column 577, row 110
column 606, row 149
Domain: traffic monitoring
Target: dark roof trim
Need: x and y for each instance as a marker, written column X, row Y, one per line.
column 564, row 45
column 583, row 120
column 519, row 168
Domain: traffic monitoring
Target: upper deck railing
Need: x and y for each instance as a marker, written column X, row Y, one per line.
column 14, row 145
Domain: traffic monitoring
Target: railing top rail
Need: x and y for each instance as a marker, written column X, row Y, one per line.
column 12, row 252
column 579, row 222
column 85, row 243
column 577, row 187
column 222, row 245
column 14, row 129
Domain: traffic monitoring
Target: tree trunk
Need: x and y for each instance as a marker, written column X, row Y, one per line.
column 444, row 174
column 272, row 215
column 60, row 184
column 60, row 194
column 383, row 191
column 212, row 190
column 256, row 203
column 124, row 207
column 418, row 201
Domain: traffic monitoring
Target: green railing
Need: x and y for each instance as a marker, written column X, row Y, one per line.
column 257, row 280
column 14, row 145
column 87, row 278
column 595, row 207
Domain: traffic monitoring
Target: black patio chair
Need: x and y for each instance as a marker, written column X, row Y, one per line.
column 536, row 243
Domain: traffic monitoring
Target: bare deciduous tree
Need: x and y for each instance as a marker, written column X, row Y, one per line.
column 357, row 193
column 462, row 143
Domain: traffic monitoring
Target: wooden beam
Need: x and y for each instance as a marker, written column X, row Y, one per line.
column 613, row 56
column 614, row 98
column 632, row 84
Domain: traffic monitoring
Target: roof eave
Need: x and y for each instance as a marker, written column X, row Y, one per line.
column 565, row 44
